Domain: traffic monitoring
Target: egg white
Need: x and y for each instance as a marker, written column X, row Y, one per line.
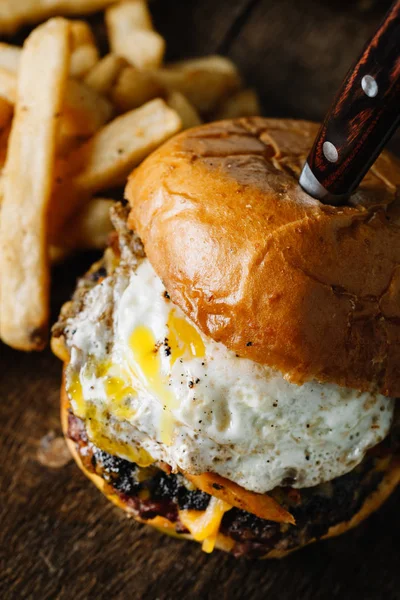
column 213, row 411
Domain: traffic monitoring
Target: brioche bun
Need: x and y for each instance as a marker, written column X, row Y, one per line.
column 373, row 502
column 310, row 290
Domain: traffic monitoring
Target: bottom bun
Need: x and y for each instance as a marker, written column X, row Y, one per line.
column 389, row 468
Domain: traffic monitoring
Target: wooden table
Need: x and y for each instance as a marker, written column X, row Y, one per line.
column 59, row 538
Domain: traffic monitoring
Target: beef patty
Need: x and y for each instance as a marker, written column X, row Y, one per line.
column 151, row 491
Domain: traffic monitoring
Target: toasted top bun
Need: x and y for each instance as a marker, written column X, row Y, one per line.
column 257, row 264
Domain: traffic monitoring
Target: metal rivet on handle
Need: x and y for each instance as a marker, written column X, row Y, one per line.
column 330, row 152
column 369, row 86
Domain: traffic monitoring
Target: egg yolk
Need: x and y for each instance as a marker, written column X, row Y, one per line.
column 76, row 395
column 183, row 339
column 96, row 433
column 145, row 354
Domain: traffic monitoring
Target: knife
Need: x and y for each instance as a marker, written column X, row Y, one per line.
column 364, row 115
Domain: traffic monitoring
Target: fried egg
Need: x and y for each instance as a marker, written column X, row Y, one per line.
column 150, row 386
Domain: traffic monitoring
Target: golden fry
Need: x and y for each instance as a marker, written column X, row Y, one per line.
column 83, row 59
column 244, row 103
column 6, row 112
column 215, row 63
column 85, row 54
column 109, row 156
column 8, row 85
column 84, row 112
column 131, row 34
column 16, row 13
column 131, row 15
column 144, row 49
column 104, row 74
column 134, row 88
column 187, row 112
column 24, row 310
column 84, row 51
column 81, row 34
column 113, row 152
column 204, row 81
column 9, row 57
column 89, row 228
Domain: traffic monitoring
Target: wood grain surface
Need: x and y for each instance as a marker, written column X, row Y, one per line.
column 59, row 538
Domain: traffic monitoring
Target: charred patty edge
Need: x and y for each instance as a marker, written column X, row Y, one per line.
column 151, row 492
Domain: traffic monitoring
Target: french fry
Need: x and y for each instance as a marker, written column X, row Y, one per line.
column 81, row 34
column 131, row 34
column 8, row 85
column 187, row 112
column 144, row 49
column 204, row 81
column 9, row 57
column 16, row 13
column 84, row 53
column 104, row 74
column 83, row 59
column 84, row 112
column 113, row 152
column 108, row 157
column 216, row 63
column 244, row 103
column 89, row 228
column 24, row 310
column 134, row 88
column 6, row 112
column 130, row 15
column 4, row 137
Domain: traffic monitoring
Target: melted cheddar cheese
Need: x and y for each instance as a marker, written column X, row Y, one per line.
column 204, row 525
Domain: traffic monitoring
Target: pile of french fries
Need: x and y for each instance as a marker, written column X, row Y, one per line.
column 73, row 124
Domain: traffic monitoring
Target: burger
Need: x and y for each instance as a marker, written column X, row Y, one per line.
column 231, row 363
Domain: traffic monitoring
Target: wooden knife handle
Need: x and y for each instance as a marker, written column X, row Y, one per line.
column 364, row 114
